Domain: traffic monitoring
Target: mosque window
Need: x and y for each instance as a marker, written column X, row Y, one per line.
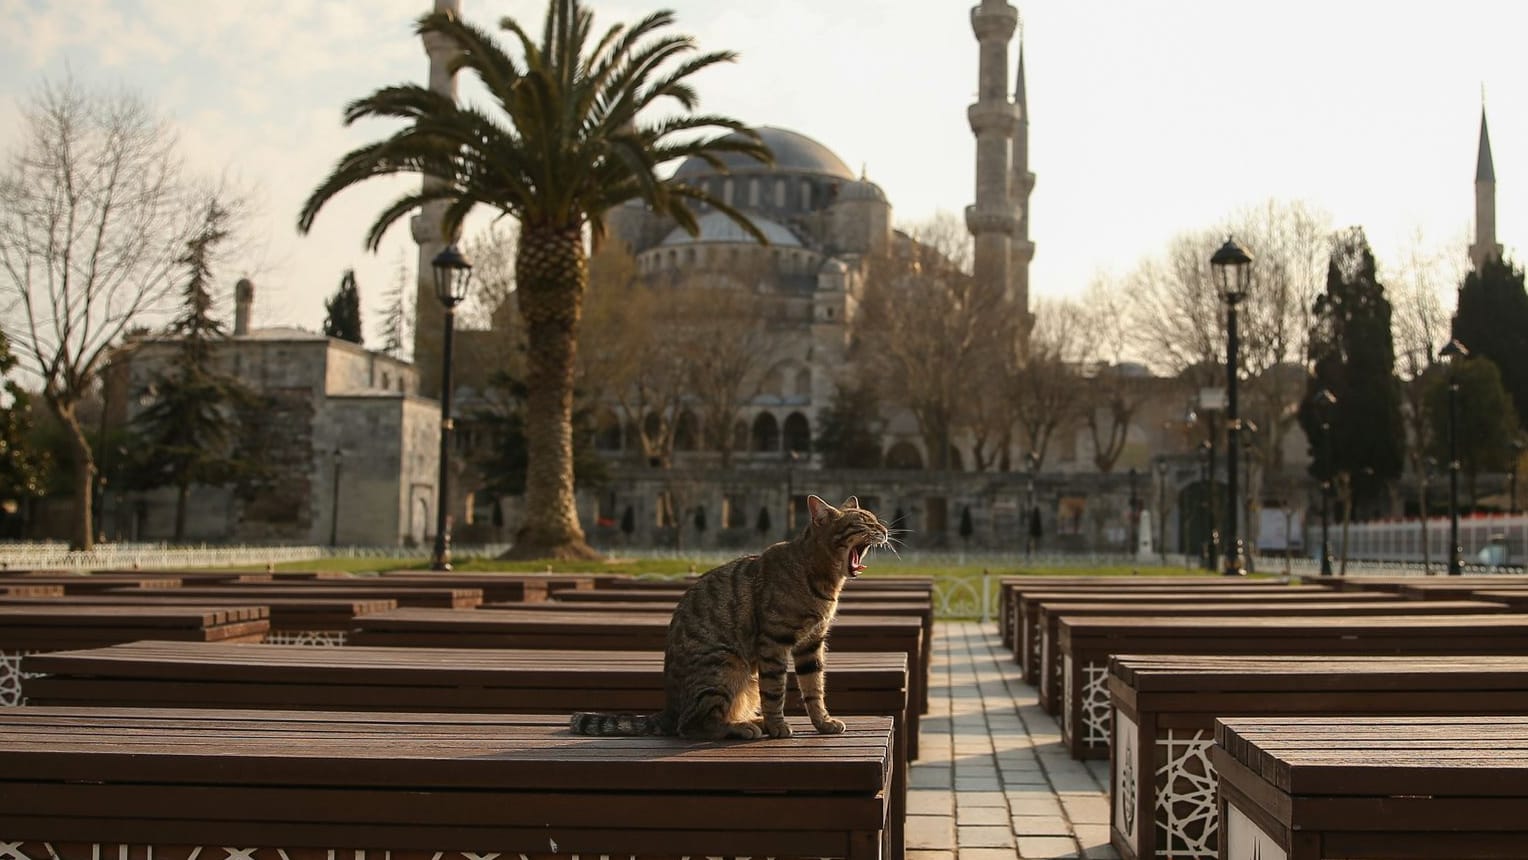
column 806, row 194
column 798, row 433
column 766, row 433
column 727, row 191
column 753, row 191
column 780, row 193
column 689, row 256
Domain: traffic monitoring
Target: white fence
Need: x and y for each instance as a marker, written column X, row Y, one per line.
column 1492, row 540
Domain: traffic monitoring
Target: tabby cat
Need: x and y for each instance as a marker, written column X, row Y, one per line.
column 737, row 627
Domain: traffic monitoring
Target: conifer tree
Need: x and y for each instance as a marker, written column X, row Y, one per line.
column 1352, row 353
column 1492, row 322
column 395, row 312
column 187, row 434
column 845, row 438
column 24, row 467
column 344, row 311
column 1484, row 423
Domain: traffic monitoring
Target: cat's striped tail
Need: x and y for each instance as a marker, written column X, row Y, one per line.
column 584, row 723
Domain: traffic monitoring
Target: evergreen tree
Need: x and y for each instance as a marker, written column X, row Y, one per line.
column 1492, row 322
column 187, row 435
column 1485, row 423
column 845, row 438
column 24, row 468
column 395, row 312
column 344, row 311
column 1352, row 354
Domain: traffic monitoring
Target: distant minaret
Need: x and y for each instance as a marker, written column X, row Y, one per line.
column 429, row 317
column 1023, row 182
column 994, row 120
column 243, row 304
column 1486, row 247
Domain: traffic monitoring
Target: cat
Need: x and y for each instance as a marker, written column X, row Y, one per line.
column 734, row 630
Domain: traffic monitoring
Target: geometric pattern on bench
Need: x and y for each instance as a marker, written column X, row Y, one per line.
column 1187, row 812
column 318, row 638
column 10, row 689
column 110, row 851
column 1096, row 712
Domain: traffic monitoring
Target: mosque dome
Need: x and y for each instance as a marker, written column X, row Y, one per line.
column 716, row 227
column 861, row 190
column 794, row 153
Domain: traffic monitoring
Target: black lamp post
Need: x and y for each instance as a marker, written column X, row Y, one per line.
column 1324, row 400
column 1453, row 352
column 452, row 273
column 1212, row 538
column 1248, row 428
column 1160, row 464
column 1233, row 273
column 1031, row 464
column 334, row 506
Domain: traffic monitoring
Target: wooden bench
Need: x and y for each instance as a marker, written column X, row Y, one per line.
column 206, row 675
column 1010, row 588
column 77, row 583
column 1383, row 788
column 1031, row 637
column 288, row 784
column 15, row 589
column 627, row 631
column 1164, row 718
column 1050, row 679
column 31, row 629
column 904, row 602
column 1088, row 643
column 407, row 596
column 294, row 620
column 496, row 587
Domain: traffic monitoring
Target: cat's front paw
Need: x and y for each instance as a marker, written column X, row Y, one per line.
column 829, row 726
column 777, row 728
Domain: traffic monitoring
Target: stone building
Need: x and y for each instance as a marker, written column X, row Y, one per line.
column 354, row 447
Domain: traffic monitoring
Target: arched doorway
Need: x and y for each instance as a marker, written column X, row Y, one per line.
column 903, row 455
column 766, row 433
column 686, row 432
column 1198, row 515
column 798, row 433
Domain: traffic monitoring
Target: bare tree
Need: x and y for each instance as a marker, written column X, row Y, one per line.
column 1111, row 395
column 630, row 359
column 492, row 252
column 95, row 209
column 1044, row 385
column 929, row 337
column 724, row 345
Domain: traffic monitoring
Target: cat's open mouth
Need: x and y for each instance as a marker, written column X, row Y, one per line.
column 856, row 560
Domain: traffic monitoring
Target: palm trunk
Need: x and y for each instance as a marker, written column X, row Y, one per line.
column 551, row 270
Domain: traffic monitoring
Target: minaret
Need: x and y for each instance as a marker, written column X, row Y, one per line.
column 429, row 317
column 1486, row 247
column 1023, row 182
column 994, row 120
column 243, row 304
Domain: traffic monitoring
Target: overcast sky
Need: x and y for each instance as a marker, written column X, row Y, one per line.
column 1148, row 117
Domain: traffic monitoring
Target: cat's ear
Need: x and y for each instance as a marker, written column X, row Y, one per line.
column 819, row 509
column 851, row 502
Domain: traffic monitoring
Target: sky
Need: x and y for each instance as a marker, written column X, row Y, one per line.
column 1147, row 117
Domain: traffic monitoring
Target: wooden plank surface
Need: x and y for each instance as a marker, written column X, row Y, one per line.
column 1483, row 756
column 421, row 752
column 286, row 613
column 446, row 598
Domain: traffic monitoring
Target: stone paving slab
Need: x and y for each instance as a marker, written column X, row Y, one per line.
column 993, row 781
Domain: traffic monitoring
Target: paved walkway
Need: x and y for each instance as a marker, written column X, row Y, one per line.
column 993, row 781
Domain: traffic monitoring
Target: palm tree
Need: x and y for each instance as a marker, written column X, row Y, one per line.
column 562, row 144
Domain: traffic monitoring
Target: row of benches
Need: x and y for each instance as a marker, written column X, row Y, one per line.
column 678, row 797
column 1187, row 686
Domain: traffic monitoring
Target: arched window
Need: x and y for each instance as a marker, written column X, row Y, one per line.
column 607, row 431
column 903, row 455
column 753, row 192
column 766, row 433
column 806, row 194
column 780, row 193
column 686, row 432
column 729, row 192
column 798, row 433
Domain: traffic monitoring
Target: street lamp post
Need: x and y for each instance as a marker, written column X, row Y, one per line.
column 1453, row 352
column 1324, row 401
column 1248, row 428
column 1161, row 466
column 334, row 505
column 452, row 274
column 1233, row 272
column 1212, row 539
